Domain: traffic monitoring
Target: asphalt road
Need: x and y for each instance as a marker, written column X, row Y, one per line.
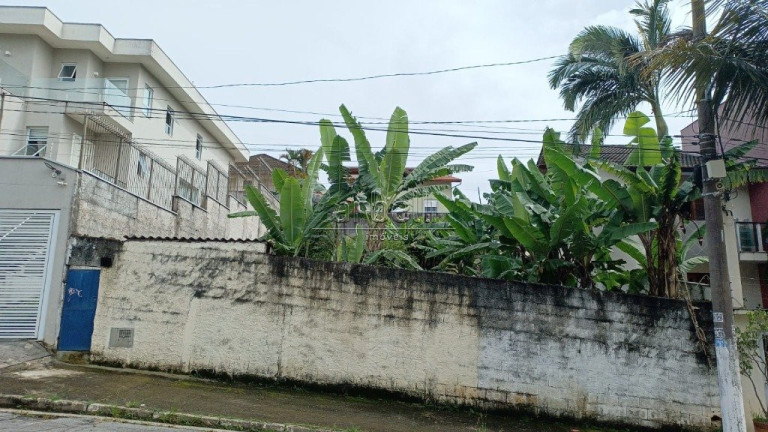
column 16, row 421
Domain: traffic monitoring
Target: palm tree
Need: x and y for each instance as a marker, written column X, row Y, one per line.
column 298, row 160
column 732, row 61
column 598, row 72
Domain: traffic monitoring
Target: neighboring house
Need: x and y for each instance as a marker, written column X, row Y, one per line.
column 746, row 217
column 258, row 173
column 746, row 239
column 424, row 207
column 259, row 168
column 99, row 137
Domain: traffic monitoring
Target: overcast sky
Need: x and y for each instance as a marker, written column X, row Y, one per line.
column 222, row 42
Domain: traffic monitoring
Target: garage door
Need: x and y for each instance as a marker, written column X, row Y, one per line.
column 25, row 250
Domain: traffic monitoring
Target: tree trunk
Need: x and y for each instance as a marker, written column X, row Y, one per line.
column 667, row 250
column 661, row 125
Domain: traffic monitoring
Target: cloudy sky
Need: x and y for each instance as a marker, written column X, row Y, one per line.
column 223, row 42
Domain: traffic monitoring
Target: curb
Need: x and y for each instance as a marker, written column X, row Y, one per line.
column 162, row 417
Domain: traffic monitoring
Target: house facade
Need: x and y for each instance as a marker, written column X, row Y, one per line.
column 99, row 137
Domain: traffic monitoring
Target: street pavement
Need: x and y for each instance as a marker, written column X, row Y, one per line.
column 26, row 369
column 17, row 421
column 13, row 353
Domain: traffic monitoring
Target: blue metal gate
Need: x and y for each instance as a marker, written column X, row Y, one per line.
column 78, row 310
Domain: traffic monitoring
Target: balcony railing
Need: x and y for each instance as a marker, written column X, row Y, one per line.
column 752, row 236
column 90, row 90
column 12, row 80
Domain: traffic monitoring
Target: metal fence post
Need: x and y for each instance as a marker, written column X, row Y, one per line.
column 149, row 180
column 117, row 163
column 82, row 142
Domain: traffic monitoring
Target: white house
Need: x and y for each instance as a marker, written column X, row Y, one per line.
column 100, row 137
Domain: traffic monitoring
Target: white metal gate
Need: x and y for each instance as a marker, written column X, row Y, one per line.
column 26, row 238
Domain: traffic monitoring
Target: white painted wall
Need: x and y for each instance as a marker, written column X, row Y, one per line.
column 18, row 176
column 231, row 309
column 36, row 59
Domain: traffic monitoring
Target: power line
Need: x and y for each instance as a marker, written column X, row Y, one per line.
column 163, row 111
column 368, row 77
column 246, row 119
column 414, row 151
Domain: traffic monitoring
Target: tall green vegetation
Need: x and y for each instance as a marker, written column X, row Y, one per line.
column 657, row 193
column 732, row 61
column 557, row 227
column 565, row 225
column 561, row 226
column 602, row 77
column 382, row 184
column 305, row 221
column 298, row 160
column 302, row 225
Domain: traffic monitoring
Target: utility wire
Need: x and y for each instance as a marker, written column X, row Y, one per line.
column 368, row 77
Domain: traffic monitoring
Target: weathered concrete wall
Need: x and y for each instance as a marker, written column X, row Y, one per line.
column 104, row 210
column 228, row 307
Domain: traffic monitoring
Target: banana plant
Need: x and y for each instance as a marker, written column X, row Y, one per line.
column 383, row 185
column 467, row 238
column 303, row 226
column 557, row 227
column 351, row 249
column 657, row 193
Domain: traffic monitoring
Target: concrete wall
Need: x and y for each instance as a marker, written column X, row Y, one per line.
column 229, row 308
column 27, row 184
column 104, row 210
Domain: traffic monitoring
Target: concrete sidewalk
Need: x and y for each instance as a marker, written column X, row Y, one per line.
column 27, row 421
column 47, row 378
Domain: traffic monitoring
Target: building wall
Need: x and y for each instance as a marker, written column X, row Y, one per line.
column 185, row 130
column 30, row 55
column 27, row 184
column 104, row 210
column 12, row 128
column 758, row 197
column 226, row 307
column 750, row 282
column 417, row 204
column 36, row 59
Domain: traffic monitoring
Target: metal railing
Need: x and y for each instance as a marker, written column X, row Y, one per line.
column 190, row 180
column 31, row 150
column 241, row 176
column 752, row 236
column 128, row 165
column 217, row 183
column 83, row 90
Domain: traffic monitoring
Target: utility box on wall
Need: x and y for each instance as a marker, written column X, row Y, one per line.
column 120, row 338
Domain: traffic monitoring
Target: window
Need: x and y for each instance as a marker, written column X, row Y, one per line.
column 149, row 95
column 199, row 147
column 68, row 72
column 142, row 168
column 37, row 141
column 169, row 121
column 430, row 206
column 697, row 210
